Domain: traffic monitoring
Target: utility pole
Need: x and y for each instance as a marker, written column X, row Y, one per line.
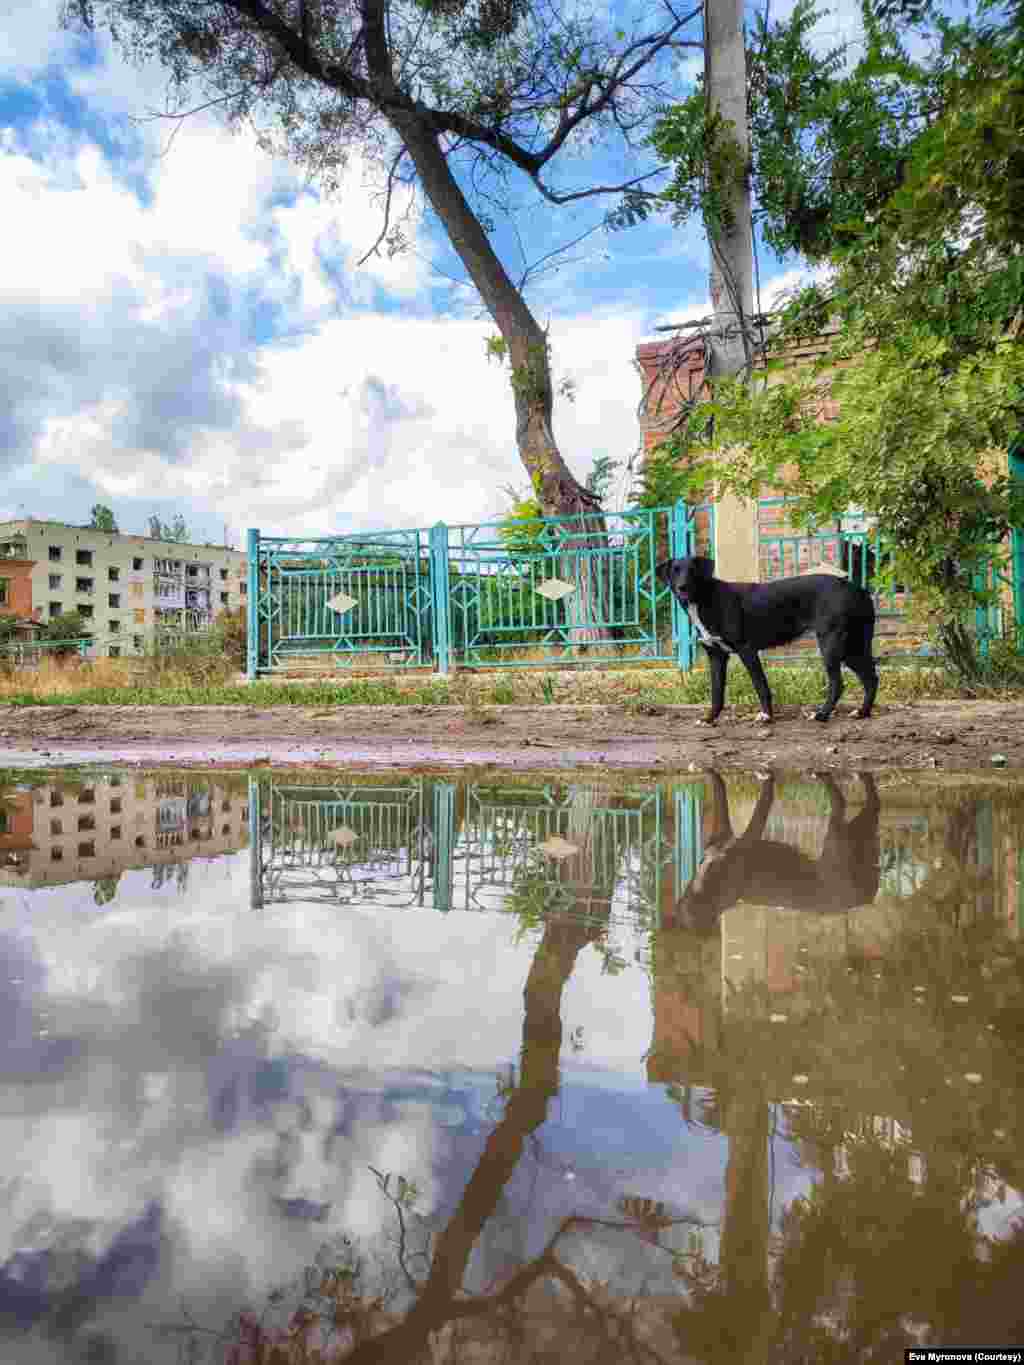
column 731, row 243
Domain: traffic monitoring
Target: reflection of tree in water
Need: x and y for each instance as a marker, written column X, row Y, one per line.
column 577, row 884
column 912, row 1112
column 877, row 1251
column 104, row 889
column 420, row 1311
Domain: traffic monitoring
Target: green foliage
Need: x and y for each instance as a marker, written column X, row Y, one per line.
column 707, row 162
column 102, row 519
column 104, row 890
column 906, row 177
column 231, row 631
column 194, row 659
column 799, row 684
column 601, row 476
column 826, row 148
column 176, row 532
column 69, row 625
column 531, row 379
column 913, row 465
column 8, row 628
column 520, row 532
column 664, row 476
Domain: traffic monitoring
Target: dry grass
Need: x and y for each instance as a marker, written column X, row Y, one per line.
column 209, row 678
column 57, row 677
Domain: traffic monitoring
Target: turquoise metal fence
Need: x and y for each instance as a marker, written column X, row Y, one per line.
column 578, row 590
column 859, row 554
column 426, row 842
column 1016, row 466
column 29, row 653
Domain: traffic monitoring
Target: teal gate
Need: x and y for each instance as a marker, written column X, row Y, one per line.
column 418, row 842
column 577, row 590
column 339, row 599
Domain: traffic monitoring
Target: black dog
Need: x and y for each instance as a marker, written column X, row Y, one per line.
column 749, row 866
column 744, row 618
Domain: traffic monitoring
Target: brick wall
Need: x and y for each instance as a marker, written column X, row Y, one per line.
column 18, row 575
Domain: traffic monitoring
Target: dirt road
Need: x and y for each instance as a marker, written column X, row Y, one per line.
column 950, row 735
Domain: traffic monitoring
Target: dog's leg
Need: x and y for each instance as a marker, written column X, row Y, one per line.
column 831, row 657
column 718, row 662
column 754, row 831
column 719, row 830
column 864, row 667
column 752, row 663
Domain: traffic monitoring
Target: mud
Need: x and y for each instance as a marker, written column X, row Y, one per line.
column 955, row 735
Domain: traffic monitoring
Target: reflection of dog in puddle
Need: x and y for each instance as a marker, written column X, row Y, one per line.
column 749, row 866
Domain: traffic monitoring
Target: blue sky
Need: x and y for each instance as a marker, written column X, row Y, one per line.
column 186, row 328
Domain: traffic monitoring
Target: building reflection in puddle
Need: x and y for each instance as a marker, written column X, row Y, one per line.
column 810, row 1149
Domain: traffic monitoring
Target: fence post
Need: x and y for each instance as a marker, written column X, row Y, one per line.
column 439, row 601
column 680, row 544
column 1016, row 464
column 689, row 802
column 255, row 846
column 252, row 606
column 444, row 833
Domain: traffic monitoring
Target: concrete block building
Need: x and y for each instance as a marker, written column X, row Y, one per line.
column 67, row 832
column 127, row 588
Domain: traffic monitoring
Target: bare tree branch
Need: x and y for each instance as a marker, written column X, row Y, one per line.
column 392, row 169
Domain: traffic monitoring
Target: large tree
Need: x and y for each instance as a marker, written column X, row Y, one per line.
column 456, row 96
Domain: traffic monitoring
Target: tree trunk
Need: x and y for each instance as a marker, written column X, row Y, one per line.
column 557, row 491
column 731, row 241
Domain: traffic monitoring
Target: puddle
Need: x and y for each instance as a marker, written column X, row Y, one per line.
column 732, row 1063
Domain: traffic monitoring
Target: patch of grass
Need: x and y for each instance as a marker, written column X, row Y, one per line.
column 204, row 680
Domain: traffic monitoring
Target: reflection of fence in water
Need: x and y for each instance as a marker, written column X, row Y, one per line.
column 519, row 845
column 343, row 845
column 417, row 845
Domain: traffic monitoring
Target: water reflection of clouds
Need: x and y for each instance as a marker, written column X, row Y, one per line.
column 177, row 1008
column 200, row 1088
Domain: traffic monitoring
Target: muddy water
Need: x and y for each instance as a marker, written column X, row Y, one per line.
column 720, row 1068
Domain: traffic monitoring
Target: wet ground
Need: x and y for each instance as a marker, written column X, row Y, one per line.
column 715, row 1067
column 948, row 735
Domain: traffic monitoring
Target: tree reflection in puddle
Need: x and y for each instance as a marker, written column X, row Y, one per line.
column 832, row 985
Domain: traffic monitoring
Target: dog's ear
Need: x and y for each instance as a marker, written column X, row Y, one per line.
column 702, row 567
column 662, row 570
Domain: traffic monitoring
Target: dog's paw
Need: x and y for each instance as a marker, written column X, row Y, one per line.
column 763, row 718
column 764, row 776
column 861, row 714
column 706, row 722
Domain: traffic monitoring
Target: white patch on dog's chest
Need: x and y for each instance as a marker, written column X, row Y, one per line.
column 703, row 634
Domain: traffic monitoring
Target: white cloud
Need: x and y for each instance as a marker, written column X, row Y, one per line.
column 204, row 340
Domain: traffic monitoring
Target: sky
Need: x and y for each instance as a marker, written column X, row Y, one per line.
column 184, row 325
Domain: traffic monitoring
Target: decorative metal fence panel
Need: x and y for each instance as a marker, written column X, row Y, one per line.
column 338, row 599
column 571, row 851
column 578, row 590
column 860, row 554
column 31, row 653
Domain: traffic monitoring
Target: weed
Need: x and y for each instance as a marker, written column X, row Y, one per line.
column 467, row 696
column 203, row 679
